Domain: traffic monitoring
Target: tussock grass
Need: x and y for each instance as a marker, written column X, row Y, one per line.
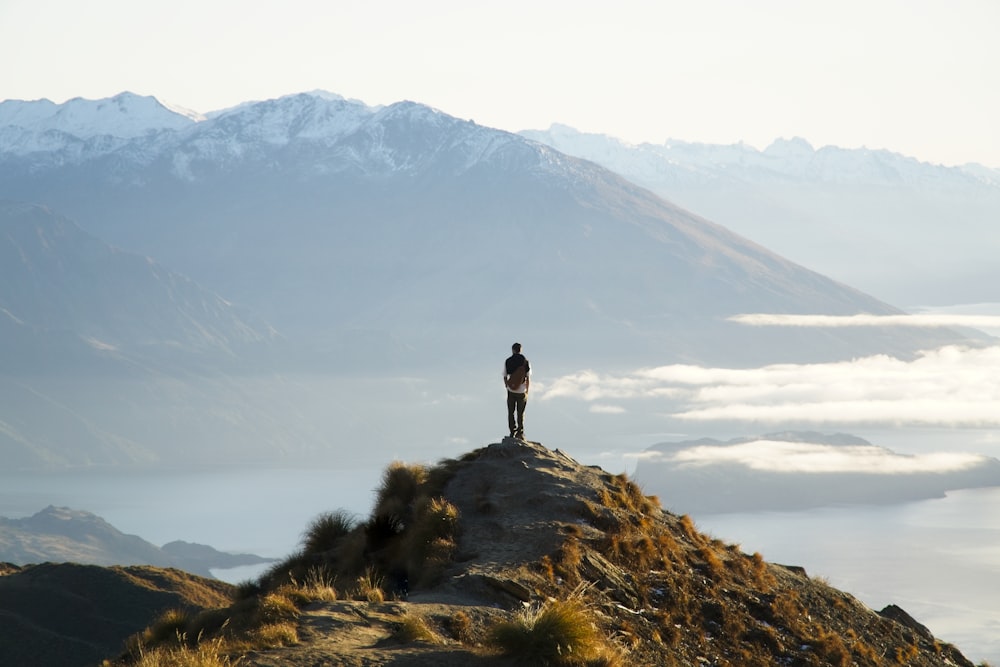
column 369, row 587
column 170, row 626
column 275, row 634
column 561, row 632
column 568, row 559
column 401, row 484
column 430, row 541
column 209, row 654
column 414, row 628
column 326, row 531
column 409, row 539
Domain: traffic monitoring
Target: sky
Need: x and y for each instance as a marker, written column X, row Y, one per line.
column 915, row 77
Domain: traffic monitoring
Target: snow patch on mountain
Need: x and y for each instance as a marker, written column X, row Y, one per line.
column 330, row 132
column 124, row 116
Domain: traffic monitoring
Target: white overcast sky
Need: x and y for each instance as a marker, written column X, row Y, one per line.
column 917, row 77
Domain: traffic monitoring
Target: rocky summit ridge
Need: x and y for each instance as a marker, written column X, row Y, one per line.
column 518, row 554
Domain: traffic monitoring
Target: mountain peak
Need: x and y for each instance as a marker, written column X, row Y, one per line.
column 124, row 116
column 472, row 543
column 796, row 147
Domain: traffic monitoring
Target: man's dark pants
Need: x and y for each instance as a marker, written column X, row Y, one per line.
column 515, row 405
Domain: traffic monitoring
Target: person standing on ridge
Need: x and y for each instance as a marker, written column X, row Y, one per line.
column 516, row 378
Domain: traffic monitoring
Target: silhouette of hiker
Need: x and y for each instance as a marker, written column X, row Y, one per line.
column 516, row 378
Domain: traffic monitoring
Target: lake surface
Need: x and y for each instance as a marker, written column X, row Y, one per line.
column 937, row 559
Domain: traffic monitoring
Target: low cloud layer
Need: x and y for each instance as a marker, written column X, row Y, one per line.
column 803, row 457
column 864, row 320
column 987, row 323
column 951, row 386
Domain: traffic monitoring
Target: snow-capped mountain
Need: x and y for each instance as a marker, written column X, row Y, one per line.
column 125, row 116
column 910, row 232
column 378, row 242
column 42, row 135
column 785, row 160
column 324, row 214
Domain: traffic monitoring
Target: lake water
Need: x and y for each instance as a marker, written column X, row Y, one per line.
column 937, row 559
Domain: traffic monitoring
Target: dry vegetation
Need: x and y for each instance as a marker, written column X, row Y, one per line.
column 591, row 572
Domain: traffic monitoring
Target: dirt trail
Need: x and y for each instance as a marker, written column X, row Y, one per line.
column 360, row 634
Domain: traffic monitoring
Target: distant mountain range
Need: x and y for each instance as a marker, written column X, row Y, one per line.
column 64, row 535
column 907, row 231
column 315, row 235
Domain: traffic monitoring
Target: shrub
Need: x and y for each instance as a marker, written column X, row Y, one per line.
column 559, row 633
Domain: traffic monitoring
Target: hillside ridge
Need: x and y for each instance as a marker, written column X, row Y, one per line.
column 455, row 555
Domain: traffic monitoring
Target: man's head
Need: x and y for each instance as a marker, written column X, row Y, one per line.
column 516, row 348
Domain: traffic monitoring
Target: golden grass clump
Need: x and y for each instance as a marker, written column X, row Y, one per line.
column 905, row 654
column 568, row 559
column 318, row 585
column 831, row 648
column 276, row 634
column 690, row 531
column 560, row 633
column 716, row 568
column 413, row 628
column 207, row 654
column 369, row 587
column 277, row 607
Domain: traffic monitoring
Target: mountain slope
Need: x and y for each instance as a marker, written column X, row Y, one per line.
column 386, row 243
column 112, row 358
column 74, row 615
column 54, row 277
column 331, row 218
column 910, row 232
